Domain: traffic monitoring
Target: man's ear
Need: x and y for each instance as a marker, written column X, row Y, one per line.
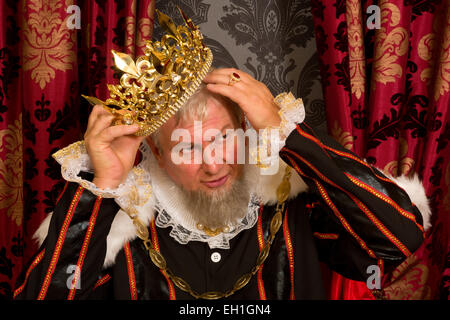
column 155, row 150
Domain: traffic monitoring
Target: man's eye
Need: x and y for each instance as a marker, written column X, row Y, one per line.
column 192, row 147
column 188, row 148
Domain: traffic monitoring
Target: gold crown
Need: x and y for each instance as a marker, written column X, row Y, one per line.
column 156, row 86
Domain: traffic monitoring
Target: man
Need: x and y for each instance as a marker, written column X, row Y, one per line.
column 215, row 228
column 356, row 216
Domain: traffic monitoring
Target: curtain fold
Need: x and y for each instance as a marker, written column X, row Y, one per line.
column 387, row 95
column 46, row 63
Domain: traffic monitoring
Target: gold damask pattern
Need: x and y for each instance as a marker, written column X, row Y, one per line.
column 130, row 29
column 145, row 26
column 389, row 46
column 48, row 43
column 409, row 281
column 426, row 48
column 136, row 37
column 343, row 137
column 357, row 62
column 404, row 166
column 11, row 171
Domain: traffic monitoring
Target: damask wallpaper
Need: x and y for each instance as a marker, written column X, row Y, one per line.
column 271, row 40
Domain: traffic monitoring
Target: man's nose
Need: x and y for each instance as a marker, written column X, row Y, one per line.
column 212, row 162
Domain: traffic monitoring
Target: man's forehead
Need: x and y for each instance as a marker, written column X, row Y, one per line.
column 217, row 117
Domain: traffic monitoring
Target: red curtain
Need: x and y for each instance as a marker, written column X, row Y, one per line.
column 387, row 93
column 50, row 53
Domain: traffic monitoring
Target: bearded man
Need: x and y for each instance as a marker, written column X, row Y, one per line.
column 164, row 229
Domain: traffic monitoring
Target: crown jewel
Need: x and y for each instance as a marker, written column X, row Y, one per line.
column 158, row 83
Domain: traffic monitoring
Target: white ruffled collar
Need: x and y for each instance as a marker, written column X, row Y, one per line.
column 184, row 235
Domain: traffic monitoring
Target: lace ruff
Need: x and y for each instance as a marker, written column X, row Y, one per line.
column 221, row 241
column 273, row 139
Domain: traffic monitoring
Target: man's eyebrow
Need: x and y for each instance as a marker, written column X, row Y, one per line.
column 227, row 126
column 189, row 145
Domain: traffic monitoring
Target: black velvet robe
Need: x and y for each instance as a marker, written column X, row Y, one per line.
column 352, row 217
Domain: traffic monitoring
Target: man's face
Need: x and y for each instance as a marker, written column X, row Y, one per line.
column 209, row 176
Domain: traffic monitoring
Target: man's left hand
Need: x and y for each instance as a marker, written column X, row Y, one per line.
column 254, row 98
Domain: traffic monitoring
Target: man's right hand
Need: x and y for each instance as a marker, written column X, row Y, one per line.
column 112, row 149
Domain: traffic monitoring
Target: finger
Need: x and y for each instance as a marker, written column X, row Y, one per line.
column 102, row 122
column 92, row 117
column 231, row 92
column 229, row 71
column 114, row 132
column 96, row 112
column 219, row 79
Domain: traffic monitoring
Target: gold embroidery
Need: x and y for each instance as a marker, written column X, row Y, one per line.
column 36, row 261
column 290, row 253
column 361, row 206
column 48, row 43
column 383, row 197
column 389, row 46
column 344, row 222
column 333, row 208
column 59, row 243
column 11, row 171
column 84, row 248
column 155, row 242
column 261, row 244
column 102, row 281
column 381, row 226
column 326, row 236
column 425, row 49
column 357, row 62
column 130, row 269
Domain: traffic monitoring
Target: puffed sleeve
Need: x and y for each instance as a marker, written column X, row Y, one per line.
column 359, row 217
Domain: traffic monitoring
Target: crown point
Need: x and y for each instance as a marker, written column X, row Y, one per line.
column 125, row 63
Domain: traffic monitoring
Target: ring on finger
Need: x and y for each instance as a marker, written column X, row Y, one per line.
column 234, row 78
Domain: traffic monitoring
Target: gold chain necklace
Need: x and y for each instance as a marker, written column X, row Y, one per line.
column 160, row 262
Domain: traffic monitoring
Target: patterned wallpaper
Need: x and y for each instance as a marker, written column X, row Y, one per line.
column 273, row 40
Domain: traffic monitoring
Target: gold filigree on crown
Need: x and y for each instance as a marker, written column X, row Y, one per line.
column 157, row 85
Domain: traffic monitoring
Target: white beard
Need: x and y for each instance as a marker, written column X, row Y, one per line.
column 222, row 208
column 189, row 208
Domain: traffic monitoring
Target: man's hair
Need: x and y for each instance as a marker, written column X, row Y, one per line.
column 195, row 109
